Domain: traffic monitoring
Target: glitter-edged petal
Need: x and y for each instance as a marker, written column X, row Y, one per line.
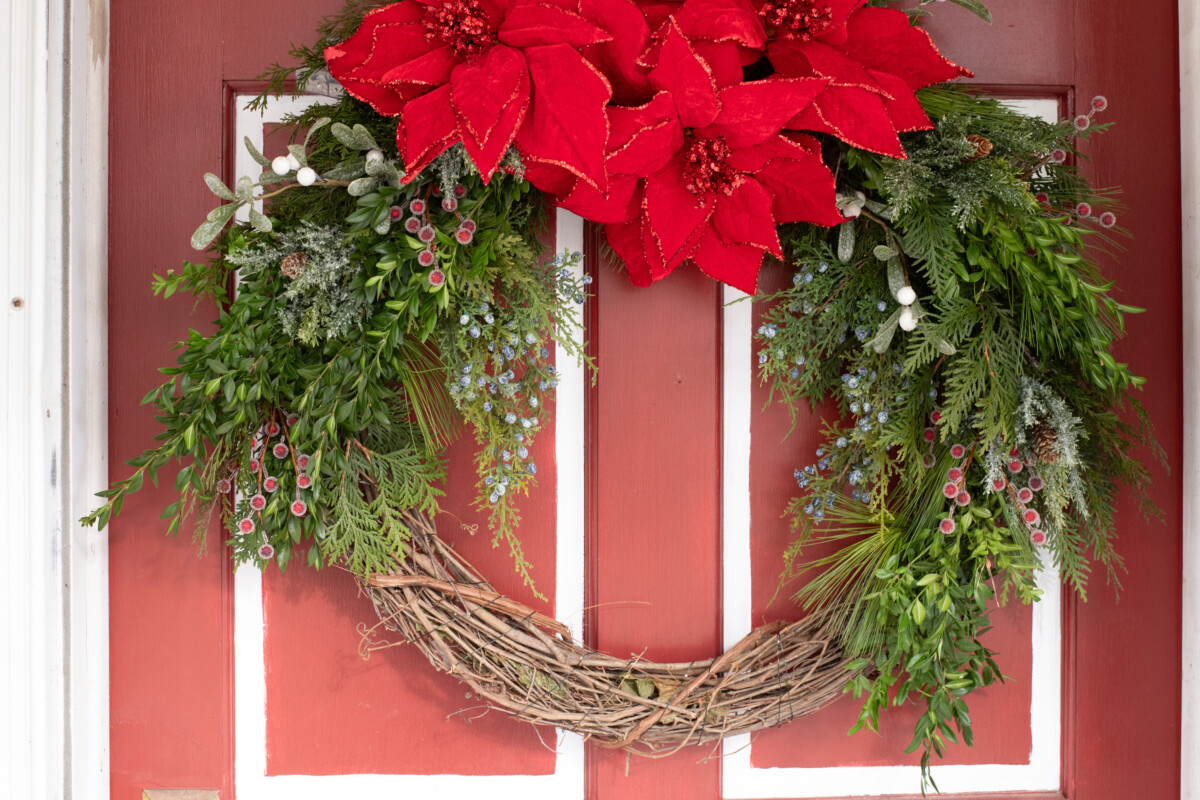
column 530, row 23
column 643, row 138
column 566, row 124
column 744, row 217
column 427, row 127
column 688, row 77
column 737, row 265
column 883, row 39
column 755, row 111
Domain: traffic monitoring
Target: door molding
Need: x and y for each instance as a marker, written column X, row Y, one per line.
column 54, row 240
column 1189, row 118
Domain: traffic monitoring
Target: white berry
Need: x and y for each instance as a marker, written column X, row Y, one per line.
column 906, row 296
column 374, row 155
column 293, row 162
column 307, row 176
column 908, row 320
column 280, row 166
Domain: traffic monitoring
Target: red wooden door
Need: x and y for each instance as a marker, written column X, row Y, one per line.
column 663, row 431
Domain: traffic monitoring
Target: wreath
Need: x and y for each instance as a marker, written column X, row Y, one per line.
column 390, row 284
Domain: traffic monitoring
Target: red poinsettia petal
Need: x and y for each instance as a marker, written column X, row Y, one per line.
column 856, row 116
column 617, row 57
column 566, row 124
column 626, row 241
column 841, row 11
column 675, row 218
column 722, row 21
column 688, row 77
column 792, row 57
column 884, row 40
column 644, row 138
column 622, row 203
column 550, row 179
column 530, row 23
column 903, row 108
column 480, row 92
column 737, row 265
column 488, row 154
column 432, row 68
column 755, row 111
column 744, row 217
column 657, row 11
column 360, row 62
column 725, row 59
column 427, row 127
column 804, row 188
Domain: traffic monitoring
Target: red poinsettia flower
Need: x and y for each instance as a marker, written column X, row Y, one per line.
column 488, row 73
column 702, row 171
column 874, row 59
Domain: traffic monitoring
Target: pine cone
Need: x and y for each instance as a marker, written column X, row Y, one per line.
column 982, row 145
column 293, row 265
column 1045, row 443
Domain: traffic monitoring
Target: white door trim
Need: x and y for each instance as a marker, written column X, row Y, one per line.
column 54, row 729
column 1189, row 113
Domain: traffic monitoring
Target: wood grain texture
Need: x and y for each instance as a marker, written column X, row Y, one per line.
column 654, row 563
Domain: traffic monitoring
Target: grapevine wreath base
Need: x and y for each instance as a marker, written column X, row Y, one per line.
column 526, row 664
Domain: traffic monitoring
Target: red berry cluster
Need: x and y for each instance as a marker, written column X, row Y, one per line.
column 273, row 438
column 804, row 19
column 420, row 224
column 1022, row 496
column 954, row 488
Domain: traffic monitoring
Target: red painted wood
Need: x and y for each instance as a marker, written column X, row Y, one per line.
column 654, row 561
column 653, row 445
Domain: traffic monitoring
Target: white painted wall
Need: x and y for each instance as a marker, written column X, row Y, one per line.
column 53, row 426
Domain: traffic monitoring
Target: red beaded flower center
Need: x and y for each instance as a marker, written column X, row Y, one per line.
column 462, row 24
column 706, row 168
column 803, row 19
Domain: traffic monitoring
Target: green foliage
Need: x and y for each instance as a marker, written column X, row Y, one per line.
column 962, row 329
column 318, row 407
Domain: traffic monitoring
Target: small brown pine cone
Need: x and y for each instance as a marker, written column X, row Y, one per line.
column 982, row 145
column 1045, row 443
column 293, row 265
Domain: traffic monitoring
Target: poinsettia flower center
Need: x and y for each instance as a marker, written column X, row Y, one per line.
column 462, row 24
column 803, row 19
column 706, row 167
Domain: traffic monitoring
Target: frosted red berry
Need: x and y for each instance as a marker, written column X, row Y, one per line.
column 426, row 234
column 303, row 481
column 929, row 434
column 1031, row 516
column 1038, row 537
column 417, row 206
column 947, row 525
column 955, row 474
column 254, row 465
column 436, row 277
column 395, row 212
column 1108, row 219
column 299, row 508
column 270, row 484
column 449, row 204
column 998, row 484
column 266, row 552
column 280, row 450
column 1015, row 466
column 957, row 451
column 1025, row 495
column 963, row 499
column 935, row 417
column 302, row 461
column 950, row 490
column 246, row 525
column 224, row 485
column 1100, row 103
column 464, row 236
column 273, row 428
column 1036, row 483
column 468, row 225
column 258, row 502
column 928, row 460
column 412, row 224
column 459, row 190
column 425, row 258
column 1084, row 209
